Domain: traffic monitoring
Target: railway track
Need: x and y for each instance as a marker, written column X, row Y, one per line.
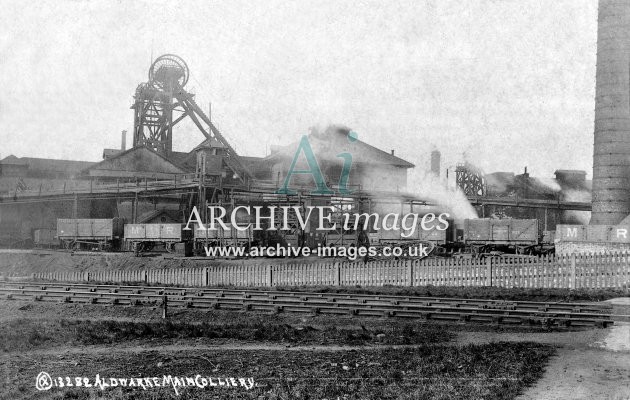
column 544, row 314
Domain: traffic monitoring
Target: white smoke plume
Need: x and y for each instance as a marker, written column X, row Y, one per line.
column 425, row 185
column 421, row 183
column 584, row 196
column 549, row 183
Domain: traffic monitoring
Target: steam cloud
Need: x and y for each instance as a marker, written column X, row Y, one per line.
column 425, row 185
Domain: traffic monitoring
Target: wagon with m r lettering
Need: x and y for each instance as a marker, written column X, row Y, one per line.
column 145, row 237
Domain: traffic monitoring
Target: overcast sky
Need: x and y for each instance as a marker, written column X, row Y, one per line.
column 508, row 83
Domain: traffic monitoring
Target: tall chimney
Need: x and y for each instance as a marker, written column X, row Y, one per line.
column 123, row 141
column 611, row 156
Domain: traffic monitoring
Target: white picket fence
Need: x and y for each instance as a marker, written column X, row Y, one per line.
column 573, row 271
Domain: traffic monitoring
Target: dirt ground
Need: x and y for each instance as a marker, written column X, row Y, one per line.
column 589, row 364
column 39, row 340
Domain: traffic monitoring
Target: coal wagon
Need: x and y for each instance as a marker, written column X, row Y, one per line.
column 224, row 237
column 145, row 237
column 504, row 235
column 45, row 238
column 90, row 234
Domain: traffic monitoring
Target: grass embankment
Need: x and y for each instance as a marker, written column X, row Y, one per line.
column 436, row 368
column 22, row 334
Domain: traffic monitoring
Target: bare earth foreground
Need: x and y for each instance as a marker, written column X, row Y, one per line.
column 399, row 359
column 406, row 361
column 589, row 367
column 593, row 364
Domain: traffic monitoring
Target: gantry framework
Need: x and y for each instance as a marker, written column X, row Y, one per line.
column 162, row 102
column 470, row 180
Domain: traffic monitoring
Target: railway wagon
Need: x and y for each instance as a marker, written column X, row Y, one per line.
column 145, row 237
column 93, row 234
column 439, row 237
column 223, row 237
column 487, row 235
column 440, row 241
column 548, row 237
column 45, row 238
column 593, row 233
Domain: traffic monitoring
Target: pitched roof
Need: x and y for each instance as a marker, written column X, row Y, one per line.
column 48, row 164
column 185, row 160
column 212, row 142
column 334, row 140
column 138, row 159
column 107, row 153
column 12, row 160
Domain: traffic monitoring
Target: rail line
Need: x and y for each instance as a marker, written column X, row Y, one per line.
column 543, row 314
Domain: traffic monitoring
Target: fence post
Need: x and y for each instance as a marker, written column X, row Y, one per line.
column 269, row 276
column 337, row 274
column 572, row 283
column 409, row 272
column 144, row 276
column 488, row 271
column 164, row 307
column 204, row 277
column 86, row 276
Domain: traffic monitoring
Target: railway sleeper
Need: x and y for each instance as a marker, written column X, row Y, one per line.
column 463, row 318
column 389, row 313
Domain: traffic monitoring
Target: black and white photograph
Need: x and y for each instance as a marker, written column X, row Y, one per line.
column 315, row 200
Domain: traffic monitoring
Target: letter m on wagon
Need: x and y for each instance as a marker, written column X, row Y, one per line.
column 570, row 232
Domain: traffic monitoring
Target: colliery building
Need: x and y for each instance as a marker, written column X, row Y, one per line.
column 143, row 185
column 562, row 199
column 151, row 182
